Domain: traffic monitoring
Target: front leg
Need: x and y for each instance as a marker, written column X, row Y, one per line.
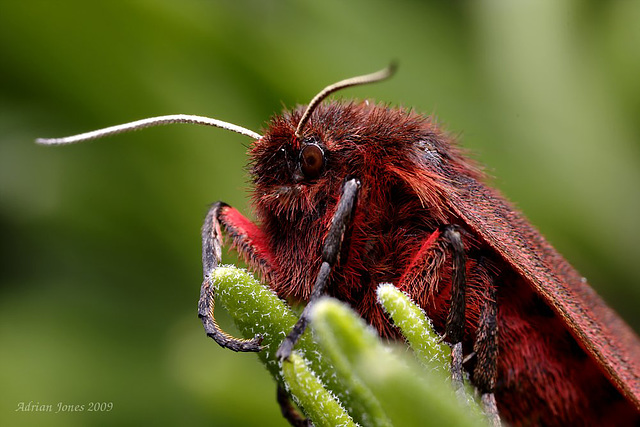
column 330, row 252
column 250, row 242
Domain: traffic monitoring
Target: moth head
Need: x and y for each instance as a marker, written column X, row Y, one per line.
column 304, row 154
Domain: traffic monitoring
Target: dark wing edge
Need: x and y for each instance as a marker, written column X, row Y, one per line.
column 601, row 332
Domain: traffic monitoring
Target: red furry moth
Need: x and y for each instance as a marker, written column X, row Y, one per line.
column 352, row 194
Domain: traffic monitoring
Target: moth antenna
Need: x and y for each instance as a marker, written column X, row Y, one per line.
column 353, row 81
column 145, row 123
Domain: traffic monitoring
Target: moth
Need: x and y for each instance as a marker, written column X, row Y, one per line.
column 349, row 194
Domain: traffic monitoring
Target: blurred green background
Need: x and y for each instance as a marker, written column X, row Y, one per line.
column 100, row 265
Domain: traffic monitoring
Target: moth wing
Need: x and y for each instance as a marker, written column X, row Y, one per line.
column 603, row 334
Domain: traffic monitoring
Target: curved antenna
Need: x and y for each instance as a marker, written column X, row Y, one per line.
column 353, row 81
column 145, row 123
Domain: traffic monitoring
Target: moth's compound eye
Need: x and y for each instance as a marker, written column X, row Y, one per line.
column 311, row 160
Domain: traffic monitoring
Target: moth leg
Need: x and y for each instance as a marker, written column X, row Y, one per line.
column 421, row 278
column 486, row 349
column 431, row 258
column 454, row 326
column 330, row 251
column 211, row 255
column 288, row 411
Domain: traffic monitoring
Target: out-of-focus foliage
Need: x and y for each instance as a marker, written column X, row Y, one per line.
column 100, row 263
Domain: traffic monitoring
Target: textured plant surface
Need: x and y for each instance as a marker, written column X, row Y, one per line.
column 345, row 375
